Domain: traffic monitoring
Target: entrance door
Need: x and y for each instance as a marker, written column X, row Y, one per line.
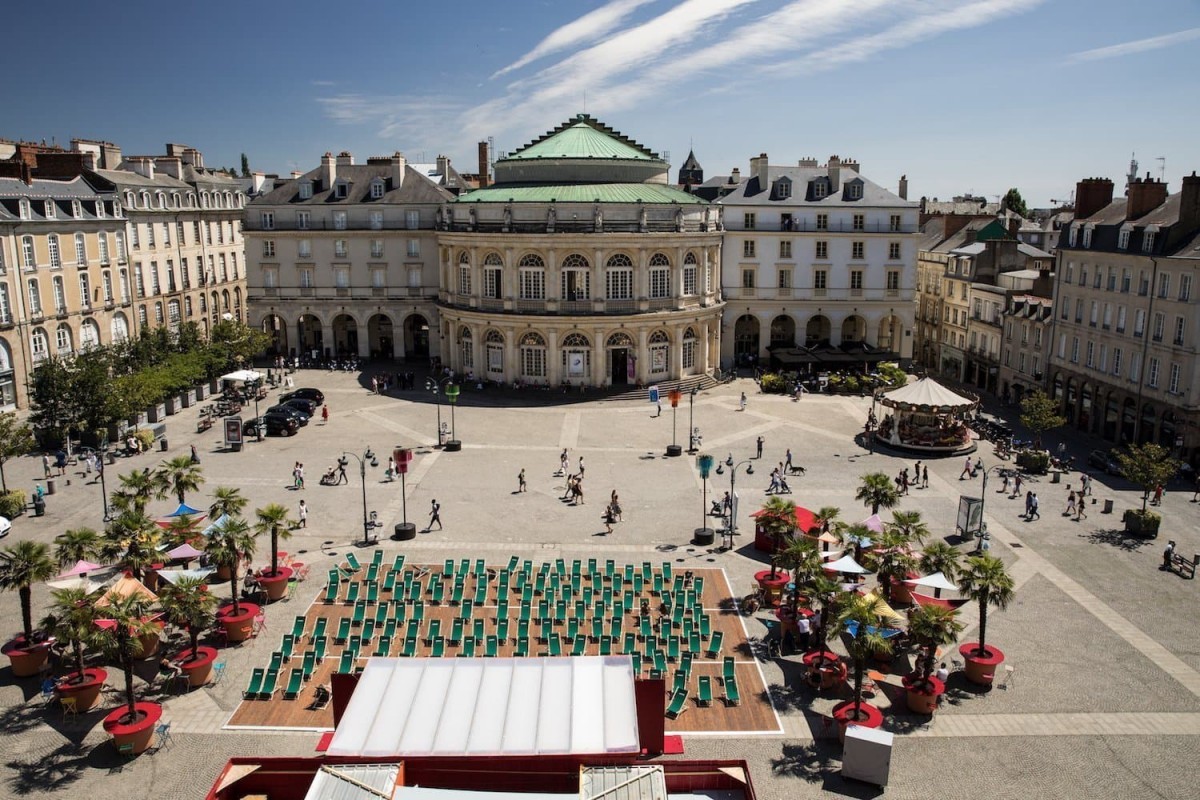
column 620, row 366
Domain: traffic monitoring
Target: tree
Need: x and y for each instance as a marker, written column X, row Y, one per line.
column 273, row 520
column 933, row 626
column 178, row 476
column 227, row 501
column 1039, row 413
column 987, row 582
column 878, row 491
column 893, row 559
column 189, row 605
column 137, row 489
column 802, row 558
column 76, row 544
column 245, row 166
column 941, row 557
column 120, row 639
column 909, row 526
column 1147, row 466
column 779, row 518
column 866, row 615
column 827, row 594
column 827, row 518
column 132, row 541
column 16, row 439
column 21, row 566
column 72, row 619
column 228, row 547
column 52, row 400
column 1014, row 202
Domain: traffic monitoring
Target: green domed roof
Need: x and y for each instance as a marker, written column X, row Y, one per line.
column 584, row 138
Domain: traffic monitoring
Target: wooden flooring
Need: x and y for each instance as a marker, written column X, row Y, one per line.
column 754, row 713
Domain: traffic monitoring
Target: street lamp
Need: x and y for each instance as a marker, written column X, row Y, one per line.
column 691, row 411
column 405, row 530
column 367, row 455
column 452, row 391
column 674, row 396
column 258, row 427
column 436, row 386
column 982, row 535
column 704, row 534
column 731, row 527
column 100, row 453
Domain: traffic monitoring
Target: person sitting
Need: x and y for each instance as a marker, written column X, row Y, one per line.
column 132, row 447
column 169, row 671
column 942, row 673
column 330, row 477
column 321, row 696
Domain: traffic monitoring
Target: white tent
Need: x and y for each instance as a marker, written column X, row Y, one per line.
column 242, row 376
column 935, row 581
column 845, row 564
column 490, row 706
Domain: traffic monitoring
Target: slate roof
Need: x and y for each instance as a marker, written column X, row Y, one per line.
column 975, row 248
column 126, row 178
column 581, row 193
column 803, row 179
column 583, row 137
column 1189, row 249
column 59, row 190
column 415, row 189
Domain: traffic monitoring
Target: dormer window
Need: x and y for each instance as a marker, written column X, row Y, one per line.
column 341, row 190
column 306, row 190
column 820, row 189
column 1123, row 237
column 1087, row 236
column 1071, row 236
column 24, row 208
column 854, row 190
column 376, row 189
column 1148, row 239
column 50, row 210
column 783, row 188
column 99, row 209
column 76, row 209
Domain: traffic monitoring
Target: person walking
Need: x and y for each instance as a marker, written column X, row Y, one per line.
column 1080, row 510
column 1085, row 485
column 1028, row 503
column 1070, row 502
column 1016, row 486
column 299, row 475
column 195, row 455
column 296, row 475
column 581, row 468
column 1034, row 513
column 925, row 477
column 46, row 464
column 917, row 472
column 615, row 504
column 435, row 515
column 564, row 464
column 608, row 518
column 1158, row 495
column 966, row 470
column 303, row 514
column 759, row 444
column 1168, row 554
column 659, row 414
column 342, row 462
column 390, row 475
column 788, row 461
column 521, row 480
column 324, row 414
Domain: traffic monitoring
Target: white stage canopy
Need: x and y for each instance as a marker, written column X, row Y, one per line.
column 490, row 706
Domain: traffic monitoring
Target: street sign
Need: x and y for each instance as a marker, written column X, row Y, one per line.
column 402, row 457
column 653, row 394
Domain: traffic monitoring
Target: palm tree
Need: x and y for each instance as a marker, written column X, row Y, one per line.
column 987, row 582
column 190, row 605
column 227, row 547
column 73, row 619
column 132, row 541
column 827, row 594
column 273, row 519
column 137, row 488
column 120, row 641
column 943, row 558
column 867, row 611
column 76, row 544
column 893, row 559
column 802, row 558
column 179, row 530
column 933, row 626
column 878, row 491
column 22, row 565
column 227, row 501
column 827, row 518
column 179, row 476
column 910, row 525
column 779, row 518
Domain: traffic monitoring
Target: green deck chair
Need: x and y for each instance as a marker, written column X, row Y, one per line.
column 678, row 704
column 294, row 683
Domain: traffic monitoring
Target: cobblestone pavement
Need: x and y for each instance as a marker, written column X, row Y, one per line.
column 1104, row 700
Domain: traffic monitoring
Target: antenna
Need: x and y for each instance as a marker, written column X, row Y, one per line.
column 1162, row 167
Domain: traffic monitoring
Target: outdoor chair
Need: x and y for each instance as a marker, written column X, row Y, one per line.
column 47, row 690
column 298, row 628
column 705, row 698
column 468, row 648
column 678, row 704
column 256, row 681
column 286, row 646
column 320, row 644
column 732, row 697
column 162, row 734
column 69, row 706
column 294, row 683
column 343, row 631
column 352, row 563
column 217, row 673
column 714, row 645
column 268, row 685
column 346, row 664
column 439, row 647
column 377, row 558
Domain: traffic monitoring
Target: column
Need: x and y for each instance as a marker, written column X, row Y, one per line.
column 511, row 369
column 363, row 332
column 642, row 375
column 599, row 357
column 327, row 343
column 676, row 371
column 704, row 338
column 553, row 357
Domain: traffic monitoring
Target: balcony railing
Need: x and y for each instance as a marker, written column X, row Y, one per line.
column 833, row 226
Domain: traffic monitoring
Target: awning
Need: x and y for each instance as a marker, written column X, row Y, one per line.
column 184, row 510
column 927, row 600
column 927, row 394
column 82, row 568
column 873, row 523
column 127, row 586
column 184, row 551
column 887, row 633
column 172, row 576
column 805, row 519
column 218, row 525
column 846, row 564
column 242, row 376
column 935, row 581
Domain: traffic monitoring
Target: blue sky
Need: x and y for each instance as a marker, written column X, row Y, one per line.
column 960, row 95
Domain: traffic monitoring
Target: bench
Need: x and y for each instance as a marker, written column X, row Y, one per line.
column 1185, row 568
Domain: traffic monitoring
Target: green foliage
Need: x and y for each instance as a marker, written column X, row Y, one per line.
column 933, row 627
column 16, row 439
column 245, row 166
column 1142, row 522
column 120, row 641
column 178, row 476
column 76, row 544
column 987, row 582
column 1146, row 466
column 773, row 383
column 941, row 557
column 869, row 614
column 72, row 619
column 23, row 564
column 145, row 438
column 1014, row 202
column 1035, row 461
column 272, row 519
column 1039, row 413
column 878, row 491
column 12, row 504
column 189, row 605
column 52, row 400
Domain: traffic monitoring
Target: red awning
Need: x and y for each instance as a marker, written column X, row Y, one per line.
column 944, row 602
column 805, row 519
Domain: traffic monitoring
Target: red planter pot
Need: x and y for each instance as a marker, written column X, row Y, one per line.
column 923, row 695
column 149, row 641
column 981, row 668
column 138, row 732
column 833, row 669
column 26, row 659
column 198, row 669
column 772, row 588
column 870, row 717
column 275, row 585
column 240, row 627
column 901, row 592
column 87, row 691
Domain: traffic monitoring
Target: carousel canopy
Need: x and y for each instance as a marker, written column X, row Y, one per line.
column 845, row 564
column 927, row 395
column 935, row 581
column 242, row 376
column 184, row 510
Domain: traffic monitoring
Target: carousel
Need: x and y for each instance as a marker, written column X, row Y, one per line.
column 926, row 418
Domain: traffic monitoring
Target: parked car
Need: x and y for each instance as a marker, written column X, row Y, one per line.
column 5, row 527
column 300, row 417
column 1104, row 459
column 271, row 424
column 305, row 393
column 302, row 405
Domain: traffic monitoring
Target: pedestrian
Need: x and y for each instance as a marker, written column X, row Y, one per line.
column 60, row 461
column 925, row 477
column 804, row 629
column 615, row 504
column 324, row 414
column 1033, row 506
column 1158, row 494
column 569, row 488
column 581, row 468
column 342, row 462
column 966, row 470
column 1070, row 504
column 564, row 463
column 759, row 444
column 788, row 461
column 742, row 402
column 1196, row 489
column 1081, row 510
column 1085, row 485
column 1016, row 486
column 1168, row 554
column 435, row 515
column 87, row 462
column 608, row 519
column 374, row 385
column 296, row 475
column 917, row 472
column 659, row 414
column 904, row 480
column 1028, row 503
column 299, row 475
column 391, row 469
column 577, row 491
column 727, row 503
column 303, row 514
column 521, row 480
column 1004, row 486
column 195, row 455
column 46, row 464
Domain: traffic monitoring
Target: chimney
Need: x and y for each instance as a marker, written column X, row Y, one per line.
column 443, row 168
column 851, row 164
column 398, row 165
column 297, row 174
column 1144, row 196
column 835, row 174
column 328, row 171
column 1189, row 203
column 1014, row 225
column 170, row 166
column 344, row 159
column 903, row 190
column 193, row 157
column 143, row 166
column 483, row 165
column 758, row 169
column 735, row 177
column 807, row 162
column 1091, row 195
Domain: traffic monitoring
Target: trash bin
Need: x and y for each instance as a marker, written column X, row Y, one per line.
column 51, row 486
column 162, row 444
column 39, row 507
column 1055, row 477
column 1108, row 507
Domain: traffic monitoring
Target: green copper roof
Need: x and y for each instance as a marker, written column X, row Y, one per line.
column 582, row 193
column 584, row 138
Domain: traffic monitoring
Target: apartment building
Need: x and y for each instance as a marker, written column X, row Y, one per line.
column 1123, row 366
column 1028, row 322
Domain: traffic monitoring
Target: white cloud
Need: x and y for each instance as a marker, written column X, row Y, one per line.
column 408, row 120
column 1138, row 46
column 588, row 28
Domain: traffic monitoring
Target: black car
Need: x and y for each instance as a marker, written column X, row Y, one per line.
column 287, row 411
column 271, row 424
column 305, row 393
column 1104, row 460
column 301, row 405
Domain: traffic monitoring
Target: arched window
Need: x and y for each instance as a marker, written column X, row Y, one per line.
column 158, row 313
column 659, row 352
column 660, row 260
column 464, row 272
column 494, row 342
column 619, row 260
column 689, row 275
column 145, row 199
column 466, row 350
column 62, row 340
column 173, row 313
column 619, row 339
column 618, row 278
column 660, row 276
column 533, row 355
column 689, row 349
column 532, row 260
column 532, row 277
column 575, row 261
column 493, row 260
column 162, row 199
column 39, row 345
column 576, row 356
column 464, row 257
column 576, row 279
column 89, row 334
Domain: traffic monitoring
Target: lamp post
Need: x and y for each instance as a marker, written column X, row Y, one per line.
column 100, row 469
column 704, row 535
column 691, row 419
column 258, row 428
column 405, row 530
column 674, row 396
column 731, row 527
column 367, row 455
column 436, row 386
column 982, row 534
column 452, row 391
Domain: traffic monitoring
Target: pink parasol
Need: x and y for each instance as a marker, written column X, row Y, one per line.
column 184, row 551
column 81, row 568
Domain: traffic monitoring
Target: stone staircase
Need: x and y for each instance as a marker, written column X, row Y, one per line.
column 700, row 382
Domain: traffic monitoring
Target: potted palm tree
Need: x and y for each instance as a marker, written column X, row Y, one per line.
column 228, row 501
column 189, row 605
column 861, row 618
column 228, row 547
column 72, row 619
column 941, row 557
column 877, row 491
column 987, row 582
column 825, row 669
column 22, row 565
column 893, row 561
column 931, row 626
column 776, row 522
column 273, row 520
column 75, row 545
column 131, row 541
column 123, row 622
column 178, row 476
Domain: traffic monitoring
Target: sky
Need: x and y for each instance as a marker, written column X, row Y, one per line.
column 962, row 96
